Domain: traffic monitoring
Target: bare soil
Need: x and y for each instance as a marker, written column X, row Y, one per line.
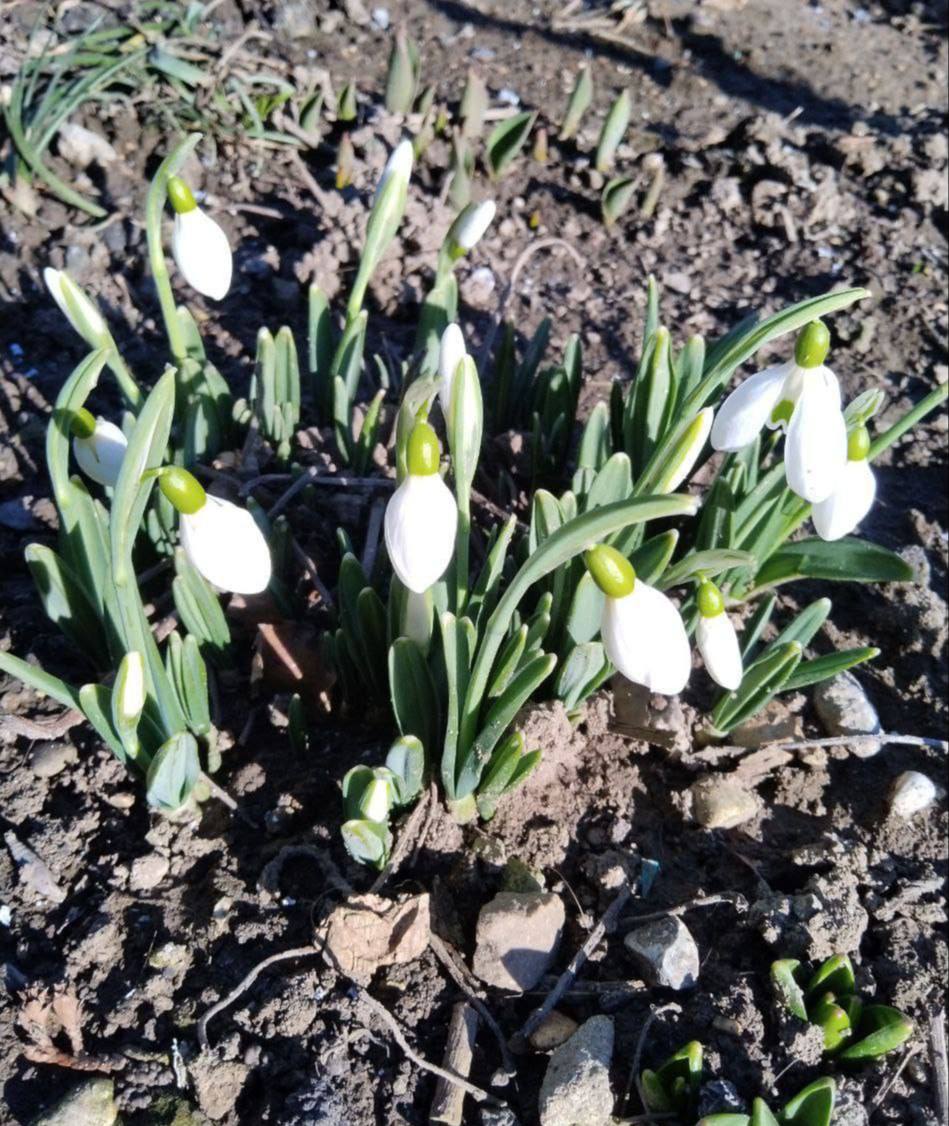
column 805, row 147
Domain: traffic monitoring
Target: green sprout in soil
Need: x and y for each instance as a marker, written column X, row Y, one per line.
column 469, row 614
column 673, row 1088
column 811, row 1106
column 853, row 1030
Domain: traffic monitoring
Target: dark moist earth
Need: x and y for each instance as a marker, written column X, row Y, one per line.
column 805, row 148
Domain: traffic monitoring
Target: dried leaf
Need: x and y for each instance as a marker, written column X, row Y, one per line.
column 368, row 931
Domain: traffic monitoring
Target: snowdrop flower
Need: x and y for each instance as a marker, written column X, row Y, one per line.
column 200, row 246
column 451, row 352
column 98, row 447
column 220, row 539
column 803, row 396
column 378, row 797
column 716, row 638
column 852, row 498
column 472, row 224
column 398, row 166
column 422, row 517
column 76, row 307
column 641, row 629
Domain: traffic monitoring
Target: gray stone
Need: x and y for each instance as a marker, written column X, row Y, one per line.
column 89, row 1104
column 576, row 1089
column 517, row 938
column 911, row 793
column 48, row 759
column 81, row 147
column 666, row 953
column 552, row 1031
column 849, row 1109
column 774, row 723
column 722, row 803
column 719, row 1096
column 148, row 871
column 844, row 709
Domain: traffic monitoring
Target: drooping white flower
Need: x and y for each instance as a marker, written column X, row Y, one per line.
column 199, row 245
column 451, row 351
column 222, row 540
column 641, row 629
column 422, row 516
column 853, row 496
column 76, row 307
column 98, row 446
column 716, row 639
column 473, row 222
column 802, row 395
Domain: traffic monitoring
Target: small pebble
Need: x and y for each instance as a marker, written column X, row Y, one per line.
column 666, row 953
column 148, row 872
column 380, row 17
column 911, row 793
column 48, row 759
column 844, row 709
column 553, row 1031
column 720, row 803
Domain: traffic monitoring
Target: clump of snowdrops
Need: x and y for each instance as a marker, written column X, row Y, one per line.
column 621, row 571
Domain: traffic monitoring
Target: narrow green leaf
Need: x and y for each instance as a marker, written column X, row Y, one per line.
column 614, row 127
column 414, row 700
column 579, row 102
column 848, row 559
column 173, row 773
column 823, row 668
column 506, row 140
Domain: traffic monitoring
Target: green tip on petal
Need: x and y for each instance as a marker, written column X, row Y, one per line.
column 424, row 452
column 180, row 195
column 858, row 444
column 182, row 489
column 82, row 424
column 813, row 344
column 612, row 572
column 710, row 600
column 781, row 415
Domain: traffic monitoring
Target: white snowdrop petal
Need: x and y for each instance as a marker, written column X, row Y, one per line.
column 815, row 451
column 645, row 639
column 100, row 456
column 718, row 644
column 225, row 544
column 420, row 524
column 202, row 253
column 476, row 223
column 847, row 505
column 84, row 317
column 747, row 409
column 451, row 351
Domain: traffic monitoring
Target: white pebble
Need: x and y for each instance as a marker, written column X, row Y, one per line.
column 911, row 793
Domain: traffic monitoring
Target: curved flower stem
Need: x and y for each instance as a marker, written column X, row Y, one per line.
column 898, row 429
column 154, row 206
column 126, row 381
column 462, row 539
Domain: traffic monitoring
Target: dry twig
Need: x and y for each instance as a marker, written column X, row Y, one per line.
column 940, row 1060
column 410, row 830
column 246, row 982
column 519, row 1040
column 638, row 1056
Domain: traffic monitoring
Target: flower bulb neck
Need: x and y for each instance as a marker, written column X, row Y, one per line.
column 82, row 425
column 858, row 444
column 182, row 490
column 424, row 452
column 180, row 195
column 710, row 600
column 813, row 344
column 612, row 572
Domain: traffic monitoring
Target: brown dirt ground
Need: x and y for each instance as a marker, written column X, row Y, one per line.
column 805, row 146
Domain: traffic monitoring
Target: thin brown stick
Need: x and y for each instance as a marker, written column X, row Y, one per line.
column 245, row 984
column 410, row 830
column 682, row 908
column 398, row 1035
column 878, row 1098
column 508, row 291
column 426, row 828
column 638, row 1055
column 299, row 484
column 940, row 1060
column 225, row 799
column 449, row 1100
column 518, row 1041
column 460, row 975
column 371, row 548
column 310, row 567
column 837, row 741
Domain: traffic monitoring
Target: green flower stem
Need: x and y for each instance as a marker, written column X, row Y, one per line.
column 567, row 542
column 126, row 381
column 154, row 208
column 917, row 414
column 462, row 538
